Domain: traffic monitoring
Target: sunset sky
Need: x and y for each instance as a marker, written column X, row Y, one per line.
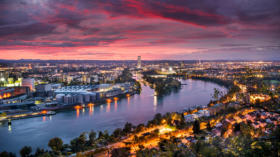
column 154, row 29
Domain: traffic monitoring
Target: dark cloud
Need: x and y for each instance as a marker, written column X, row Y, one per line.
column 93, row 23
column 96, row 53
column 234, row 45
column 25, row 31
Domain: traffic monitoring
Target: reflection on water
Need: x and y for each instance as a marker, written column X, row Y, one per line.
column 135, row 109
column 46, row 118
column 91, row 109
column 10, row 128
column 108, row 107
column 77, row 113
column 116, row 106
column 101, row 107
column 128, row 100
column 155, row 103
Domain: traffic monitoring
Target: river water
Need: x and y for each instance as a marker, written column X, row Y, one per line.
column 136, row 109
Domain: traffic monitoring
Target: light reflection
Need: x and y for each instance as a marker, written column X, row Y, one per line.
column 155, row 102
column 77, row 113
column 189, row 85
column 108, row 107
column 128, row 101
column 44, row 118
column 116, row 105
column 101, row 108
column 91, row 108
column 10, row 128
column 50, row 117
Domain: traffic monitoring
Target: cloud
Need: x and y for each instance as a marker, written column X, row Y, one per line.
column 148, row 26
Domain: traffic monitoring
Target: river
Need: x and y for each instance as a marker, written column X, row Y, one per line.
column 36, row 132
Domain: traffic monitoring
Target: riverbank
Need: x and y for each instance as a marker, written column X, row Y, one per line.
column 8, row 118
column 136, row 109
column 221, row 82
column 52, row 110
column 162, row 86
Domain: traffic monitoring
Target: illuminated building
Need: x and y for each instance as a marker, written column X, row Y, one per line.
column 10, row 94
column 259, row 97
column 6, row 92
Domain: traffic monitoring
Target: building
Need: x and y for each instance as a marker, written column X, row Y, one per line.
column 139, row 62
column 46, row 89
column 254, row 98
column 6, row 92
column 75, row 89
column 69, row 79
column 81, row 94
column 11, row 94
column 70, row 95
column 85, row 79
column 190, row 117
column 43, row 88
column 28, row 82
column 77, row 98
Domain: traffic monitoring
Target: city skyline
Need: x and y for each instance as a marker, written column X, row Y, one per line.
column 124, row 29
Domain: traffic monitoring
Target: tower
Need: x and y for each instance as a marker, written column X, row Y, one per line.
column 139, row 62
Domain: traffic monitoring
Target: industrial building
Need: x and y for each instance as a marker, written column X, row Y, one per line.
column 70, row 95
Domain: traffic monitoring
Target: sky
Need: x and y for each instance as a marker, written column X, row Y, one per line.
column 153, row 29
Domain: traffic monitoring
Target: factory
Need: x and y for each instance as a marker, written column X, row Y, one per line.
column 70, row 95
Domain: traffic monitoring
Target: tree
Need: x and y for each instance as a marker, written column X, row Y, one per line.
column 147, row 152
column 237, row 127
column 196, row 127
column 79, row 143
column 56, row 144
column 163, row 144
column 117, row 133
column 119, row 152
column 126, row 76
column 46, row 154
column 7, row 154
column 135, row 139
column 100, row 135
column 208, row 151
column 140, row 127
column 39, row 152
column 106, row 134
column 92, row 137
column 239, row 145
column 209, row 128
column 216, row 94
column 157, row 118
column 246, row 129
column 25, row 151
column 127, row 128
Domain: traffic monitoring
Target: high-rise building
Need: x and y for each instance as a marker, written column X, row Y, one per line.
column 139, row 62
